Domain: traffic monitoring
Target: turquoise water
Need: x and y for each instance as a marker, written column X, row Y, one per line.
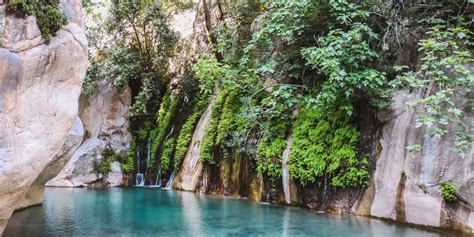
column 156, row 212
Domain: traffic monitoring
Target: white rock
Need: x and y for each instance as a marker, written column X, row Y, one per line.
column 39, row 91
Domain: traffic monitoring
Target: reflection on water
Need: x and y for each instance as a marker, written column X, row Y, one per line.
column 152, row 212
column 192, row 215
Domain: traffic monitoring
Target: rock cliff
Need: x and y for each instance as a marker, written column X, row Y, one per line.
column 105, row 118
column 406, row 186
column 40, row 86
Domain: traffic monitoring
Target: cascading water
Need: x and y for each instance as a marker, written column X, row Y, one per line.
column 323, row 204
column 286, row 171
column 158, row 177
column 139, row 179
column 169, row 185
column 147, row 161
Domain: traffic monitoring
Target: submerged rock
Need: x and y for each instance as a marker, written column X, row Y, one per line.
column 40, row 86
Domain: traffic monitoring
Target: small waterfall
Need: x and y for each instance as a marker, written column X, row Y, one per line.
column 147, row 161
column 158, row 177
column 268, row 197
column 139, row 180
column 324, row 201
column 169, row 185
column 286, row 171
column 138, row 160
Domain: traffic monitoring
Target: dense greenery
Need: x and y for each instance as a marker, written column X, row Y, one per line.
column 315, row 60
column 325, row 146
column 158, row 134
column 166, row 157
column 257, row 123
column 448, row 191
column 309, row 69
column 49, row 17
column 270, row 150
column 209, row 141
column 128, row 165
column 137, row 53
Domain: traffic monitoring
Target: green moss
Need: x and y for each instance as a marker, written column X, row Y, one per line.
column 165, row 114
column 324, row 143
column 186, row 133
column 209, row 141
column 128, row 165
column 448, row 191
column 166, row 157
column 49, row 17
column 228, row 121
column 270, row 150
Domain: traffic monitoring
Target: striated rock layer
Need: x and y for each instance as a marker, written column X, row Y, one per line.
column 40, row 86
column 406, row 186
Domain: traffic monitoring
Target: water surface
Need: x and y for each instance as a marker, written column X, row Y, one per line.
column 156, row 212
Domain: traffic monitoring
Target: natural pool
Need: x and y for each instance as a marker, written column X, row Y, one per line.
column 156, row 212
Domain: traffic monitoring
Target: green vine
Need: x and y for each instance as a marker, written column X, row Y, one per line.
column 228, row 121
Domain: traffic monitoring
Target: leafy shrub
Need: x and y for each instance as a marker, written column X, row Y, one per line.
column 448, row 191
column 446, row 78
column 105, row 165
column 49, row 17
column 21, row 8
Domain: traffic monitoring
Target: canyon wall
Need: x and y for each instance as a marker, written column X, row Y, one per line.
column 104, row 114
column 406, row 186
column 40, row 86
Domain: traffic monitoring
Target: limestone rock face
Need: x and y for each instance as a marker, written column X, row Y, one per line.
column 406, row 186
column 191, row 170
column 105, row 118
column 40, row 86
